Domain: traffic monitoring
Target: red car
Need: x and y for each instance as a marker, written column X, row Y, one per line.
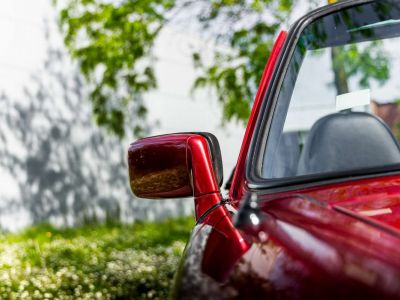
column 314, row 203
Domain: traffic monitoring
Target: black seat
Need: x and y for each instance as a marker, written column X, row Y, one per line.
column 286, row 157
column 348, row 141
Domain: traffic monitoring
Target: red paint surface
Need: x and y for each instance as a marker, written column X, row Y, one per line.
column 304, row 248
column 346, row 252
column 225, row 245
column 204, row 180
column 360, row 195
column 328, row 245
column 238, row 182
column 205, row 202
column 186, row 152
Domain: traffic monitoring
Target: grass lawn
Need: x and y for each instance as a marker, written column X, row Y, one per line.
column 110, row 261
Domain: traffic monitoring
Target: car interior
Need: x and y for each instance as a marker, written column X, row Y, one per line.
column 336, row 142
column 348, row 140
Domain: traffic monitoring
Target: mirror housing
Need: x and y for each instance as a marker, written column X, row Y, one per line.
column 175, row 166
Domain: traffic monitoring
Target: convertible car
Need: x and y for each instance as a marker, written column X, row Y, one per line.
column 313, row 210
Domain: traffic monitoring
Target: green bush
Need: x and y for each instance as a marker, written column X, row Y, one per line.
column 112, row 261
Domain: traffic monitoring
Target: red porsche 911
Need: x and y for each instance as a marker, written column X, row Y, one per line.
column 314, row 203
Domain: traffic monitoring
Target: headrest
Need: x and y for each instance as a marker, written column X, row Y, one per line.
column 347, row 141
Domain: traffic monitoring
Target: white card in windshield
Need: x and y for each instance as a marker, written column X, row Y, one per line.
column 353, row 99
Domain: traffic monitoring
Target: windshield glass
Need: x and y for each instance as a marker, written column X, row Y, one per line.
column 337, row 109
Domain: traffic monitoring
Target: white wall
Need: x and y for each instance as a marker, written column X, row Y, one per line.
column 23, row 49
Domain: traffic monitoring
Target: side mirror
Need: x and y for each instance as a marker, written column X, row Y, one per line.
column 175, row 165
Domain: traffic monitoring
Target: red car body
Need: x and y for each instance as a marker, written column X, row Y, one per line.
column 311, row 240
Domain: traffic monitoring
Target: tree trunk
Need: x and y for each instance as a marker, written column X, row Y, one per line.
column 341, row 83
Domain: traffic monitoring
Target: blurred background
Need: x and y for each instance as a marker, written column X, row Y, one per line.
column 79, row 81
column 56, row 164
column 62, row 158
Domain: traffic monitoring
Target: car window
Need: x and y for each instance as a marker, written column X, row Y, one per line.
column 337, row 108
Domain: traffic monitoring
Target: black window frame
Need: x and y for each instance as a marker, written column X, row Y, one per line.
column 263, row 123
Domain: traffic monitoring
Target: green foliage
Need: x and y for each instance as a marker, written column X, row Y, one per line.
column 113, row 42
column 235, row 75
column 111, row 261
column 369, row 63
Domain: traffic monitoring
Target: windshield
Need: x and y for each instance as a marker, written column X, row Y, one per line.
column 337, row 109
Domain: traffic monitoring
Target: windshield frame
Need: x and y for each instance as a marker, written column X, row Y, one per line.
column 263, row 124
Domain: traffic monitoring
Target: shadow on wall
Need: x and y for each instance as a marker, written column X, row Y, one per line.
column 67, row 170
